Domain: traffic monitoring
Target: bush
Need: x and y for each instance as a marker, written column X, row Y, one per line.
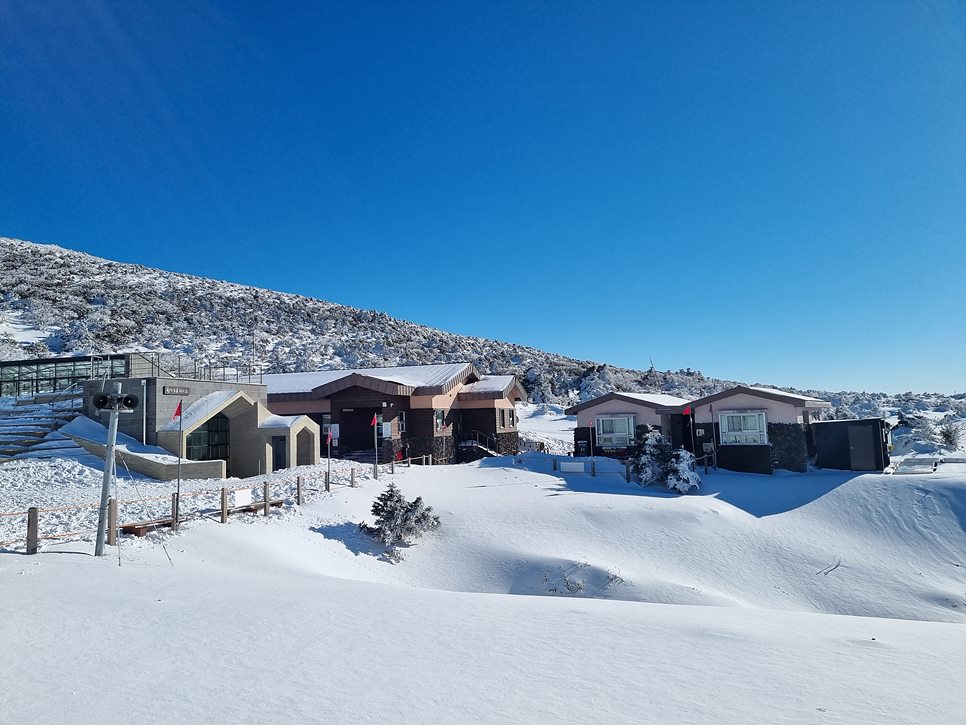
column 950, row 434
column 398, row 520
column 655, row 460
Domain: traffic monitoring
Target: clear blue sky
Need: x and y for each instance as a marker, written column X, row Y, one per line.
column 771, row 192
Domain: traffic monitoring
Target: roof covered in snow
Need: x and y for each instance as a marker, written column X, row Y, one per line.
column 647, row 400
column 412, row 376
column 200, row 409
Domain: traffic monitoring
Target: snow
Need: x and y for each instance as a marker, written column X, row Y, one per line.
column 657, row 399
column 543, row 597
column 415, row 376
column 489, row 384
column 279, row 421
column 200, row 409
column 12, row 323
column 807, row 398
column 546, row 423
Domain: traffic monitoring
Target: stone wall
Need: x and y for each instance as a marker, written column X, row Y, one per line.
column 788, row 448
column 441, row 448
column 508, row 443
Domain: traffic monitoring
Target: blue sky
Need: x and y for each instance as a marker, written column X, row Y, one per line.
column 768, row 192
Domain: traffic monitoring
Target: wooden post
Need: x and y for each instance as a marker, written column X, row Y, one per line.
column 224, row 505
column 327, row 489
column 33, row 520
column 392, row 466
column 430, row 458
column 298, row 490
column 265, row 496
column 352, row 477
column 112, row 522
column 593, row 467
column 174, row 511
column 627, row 470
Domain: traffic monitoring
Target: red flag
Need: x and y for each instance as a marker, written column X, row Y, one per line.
column 374, row 421
column 177, row 411
column 687, row 410
column 329, row 439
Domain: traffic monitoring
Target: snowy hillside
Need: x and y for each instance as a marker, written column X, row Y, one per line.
column 543, row 597
column 57, row 301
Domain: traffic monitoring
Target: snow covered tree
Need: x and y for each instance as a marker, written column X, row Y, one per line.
column 398, row 520
column 655, row 460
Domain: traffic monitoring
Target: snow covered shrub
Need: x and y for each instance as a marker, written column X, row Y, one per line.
column 655, row 460
column 398, row 520
column 950, row 434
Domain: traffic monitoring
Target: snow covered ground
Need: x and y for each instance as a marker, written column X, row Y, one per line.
column 546, row 423
column 733, row 605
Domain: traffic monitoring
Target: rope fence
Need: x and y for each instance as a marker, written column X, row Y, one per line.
column 145, row 514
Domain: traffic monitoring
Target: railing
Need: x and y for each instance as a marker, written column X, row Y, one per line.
column 484, row 440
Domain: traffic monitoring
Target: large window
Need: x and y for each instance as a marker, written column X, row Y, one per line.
column 402, row 421
column 743, row 427
column 209, row 442
column 439, row 420
column 615, row 431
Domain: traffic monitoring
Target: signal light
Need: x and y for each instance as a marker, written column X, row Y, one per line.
column 101, row 400
column 130, row 402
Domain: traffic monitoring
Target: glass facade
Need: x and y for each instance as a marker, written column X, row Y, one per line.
column 209, row 442
column 30, row 377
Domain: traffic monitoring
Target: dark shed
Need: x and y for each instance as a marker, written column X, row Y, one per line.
column 852, row 445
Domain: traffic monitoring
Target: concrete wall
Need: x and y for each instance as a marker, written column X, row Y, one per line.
column 157, row 408
column 154, row 468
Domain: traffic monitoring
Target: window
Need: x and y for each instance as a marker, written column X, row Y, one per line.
column 402, row 421
column 326, row 423
column 512, row 418
column 439, row 420
column 743, row 427
column 502, row 418
column 615, row 431
column 379, row 430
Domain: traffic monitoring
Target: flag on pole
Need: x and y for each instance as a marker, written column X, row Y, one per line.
column 177, row 411
column 687, row 410
column 374, row 421
column 328, row 440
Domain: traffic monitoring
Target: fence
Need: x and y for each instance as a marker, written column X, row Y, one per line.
column 167, row 511
column 593, row 467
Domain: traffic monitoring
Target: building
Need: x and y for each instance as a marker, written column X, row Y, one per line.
column 223, row 420
column 750, row 429
column 608, row 425
column 450, row 411
column 852, row 445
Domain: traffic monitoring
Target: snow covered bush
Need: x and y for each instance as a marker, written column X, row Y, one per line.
column 399, row 520
column 950, row 434
column 655, row 460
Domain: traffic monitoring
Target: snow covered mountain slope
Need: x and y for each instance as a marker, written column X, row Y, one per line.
column 57, row 301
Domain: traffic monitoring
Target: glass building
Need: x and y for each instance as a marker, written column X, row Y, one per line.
column 50, row 375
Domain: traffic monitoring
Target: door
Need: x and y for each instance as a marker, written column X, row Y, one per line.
column 279, row 450
column 862, row 448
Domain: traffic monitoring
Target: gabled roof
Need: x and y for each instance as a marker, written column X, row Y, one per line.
column 646, row 400
column 493, row 387
column 781, row 396
column 407, row 380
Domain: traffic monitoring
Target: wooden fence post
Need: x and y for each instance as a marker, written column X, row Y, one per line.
column 327, row 489
column 392, row 466
column 298, row 490
column 112, row 522
column 593, row 467
column 430, row 459
column 33, row 521
column 174, row 511
column 265, row 496
column 352, row 477
column 224, row 505
column 627, row 470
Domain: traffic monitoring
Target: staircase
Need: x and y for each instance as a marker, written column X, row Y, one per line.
column 29, row 427
column 483, row 445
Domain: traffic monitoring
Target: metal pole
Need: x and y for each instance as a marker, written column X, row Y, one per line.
column 144, row 412
column 328, row 458
column 180, row 448
column 106, row 483
column 375, row 446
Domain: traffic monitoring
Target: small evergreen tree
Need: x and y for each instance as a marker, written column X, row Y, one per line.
column 655, row 460
column 398, row 520
column 950, row 434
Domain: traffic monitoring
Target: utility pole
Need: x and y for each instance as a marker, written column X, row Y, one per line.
column 115, row 404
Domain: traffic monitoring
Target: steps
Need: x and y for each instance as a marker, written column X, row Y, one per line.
column 28, row 427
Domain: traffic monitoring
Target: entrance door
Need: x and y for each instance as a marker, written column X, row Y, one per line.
column 861, row 448
column 279, row 451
